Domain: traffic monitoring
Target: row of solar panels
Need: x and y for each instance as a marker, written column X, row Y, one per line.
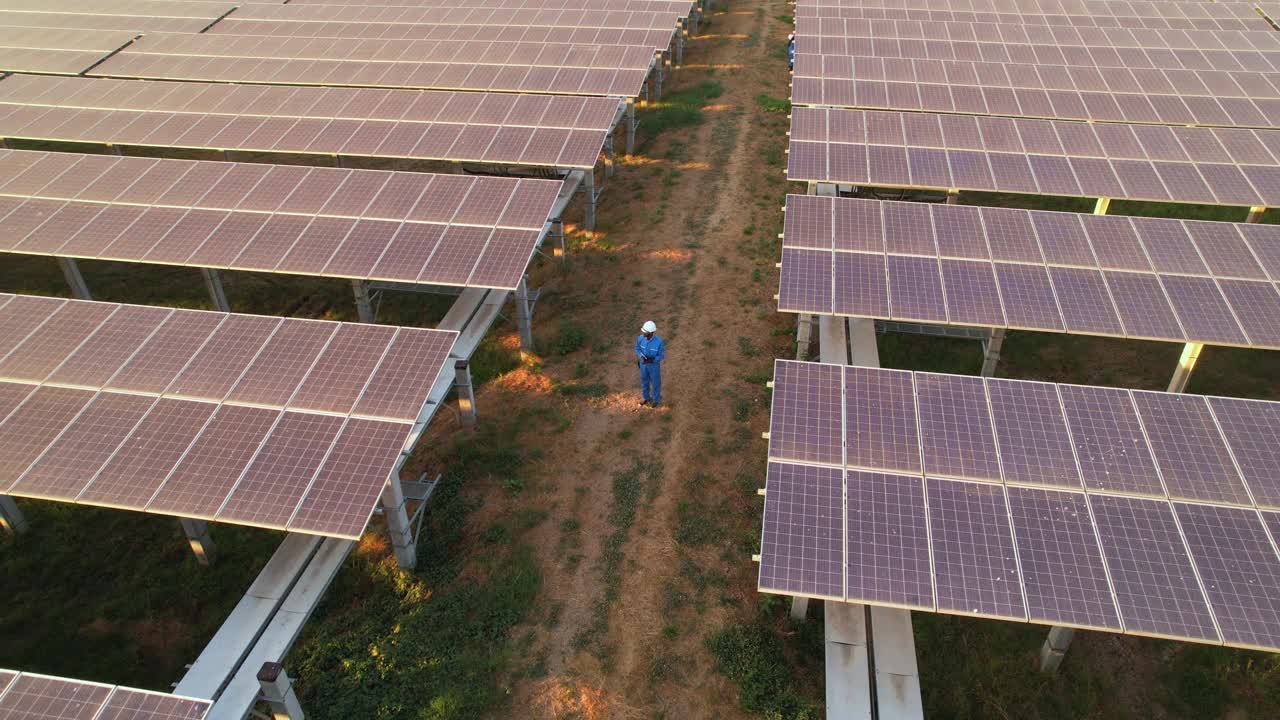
column 1120, row 15
column 279, row 423
column 1059, row 504
column 29, row 695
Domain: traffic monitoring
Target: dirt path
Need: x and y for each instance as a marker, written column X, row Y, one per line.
column 634, row 579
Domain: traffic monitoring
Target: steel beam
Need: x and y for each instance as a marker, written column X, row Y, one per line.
column 1186, row 364
column 71, row 271
column 213, row 283
column 991, row 352
column 1055, row 648
column 277, row 692
column 524, row 317
column 364, row 307
column 398, row 525
column 201, row 541
column 12, row 520
column 466, row 394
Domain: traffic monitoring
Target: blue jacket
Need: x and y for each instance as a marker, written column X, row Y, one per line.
column 791, row 52
column 654, row 348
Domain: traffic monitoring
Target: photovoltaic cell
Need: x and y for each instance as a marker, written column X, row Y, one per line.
column 202, row 480
column 802, row 547
column 975, row 566
column 128, row 704
column 1062, row 566
column 110, row 347
column 218, row 366
column 807, row 420
column 144, row 460
column 955, row 427
column 1249, row 429
column 283, row 363
column 167, row 352
column 1034, row 443
column 1240, row 569
column 887, row 541
column 40, row 696
column 805, row 283
column 30, row 428
column 880, row 420
column 279, row 476
column 1109, row 441
column 860, row 285
column 1190, row 452
column 47, row 346
column 1155, row 583
column 342, row 371
column 342, row 497
column 405, row 376
column 915, row 289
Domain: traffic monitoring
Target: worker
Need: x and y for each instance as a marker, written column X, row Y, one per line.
column 791, row 51
column 650, row 351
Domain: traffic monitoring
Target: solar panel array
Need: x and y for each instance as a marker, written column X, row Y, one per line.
column 1143, row 278
column 1101, row 508
column 559, row 68
column 279, row 423
column 542, row 130
column 133, row 23
column 1142, row 95
column 361, row 224
column 656, row 40
column 28, row 696
column 1221, row 16
column 58, row 51
column 1229, row 166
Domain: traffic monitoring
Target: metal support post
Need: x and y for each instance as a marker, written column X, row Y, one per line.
column 557, row 232
column 277, row 691
column 1055, row 648
column 364, row 307
column 1255, row 214
column 12, row 520
column 466, row 394
column 213, row 282
column 991, row 352
column 71, row 271
column 1186, row 363
column 659, row 71
column 398, row 525
column 799, row 608
column 201, row 542
column 524, row 318
column 1101, row 207
column 609, row 156
column 631, row 126
column 589, row 192
column 953, row 197
column 649, row 96
column 681, row 34
column 115, row 149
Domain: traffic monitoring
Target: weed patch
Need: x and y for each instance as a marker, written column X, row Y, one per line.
column 771, row 104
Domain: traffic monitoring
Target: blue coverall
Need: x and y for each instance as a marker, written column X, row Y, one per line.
column 651, row 372
column 791, row 54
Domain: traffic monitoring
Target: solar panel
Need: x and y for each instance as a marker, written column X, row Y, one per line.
column 327, row 221
column 42, row 697
column 1031, row 433
column 807, row 413
column 60, row 51
column 975, row 564
column 1155, row 584
column 880, row 421
column 887, row 541
column 803, row 536
column 185, row 454
column 564, row 68
column 1110, row 175
column 1052, row 271
column 234, row 117
column 1122, row 555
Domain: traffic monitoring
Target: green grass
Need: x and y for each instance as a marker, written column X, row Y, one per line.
column 682, row 108
column 771, row 104
column 754, row 657
column 569, row 338
column 117, row 596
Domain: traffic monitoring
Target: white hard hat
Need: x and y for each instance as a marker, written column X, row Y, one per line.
column 648, row 327
column 792, row 36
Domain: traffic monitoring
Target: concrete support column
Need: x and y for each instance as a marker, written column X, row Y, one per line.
column 364, row 307
column 1255, row 214
column 277, row 691
column 201, row 542
column 631, row 126
column 799, row 608
column 804, row 336
column 71, row 271
column 398, row 527
column 1055, row 648
column 466, row 394
column 12, row 520
column 524, row 318
column 213, row 283
column 589, row 192
column 1186, row 364
column 991, row 352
